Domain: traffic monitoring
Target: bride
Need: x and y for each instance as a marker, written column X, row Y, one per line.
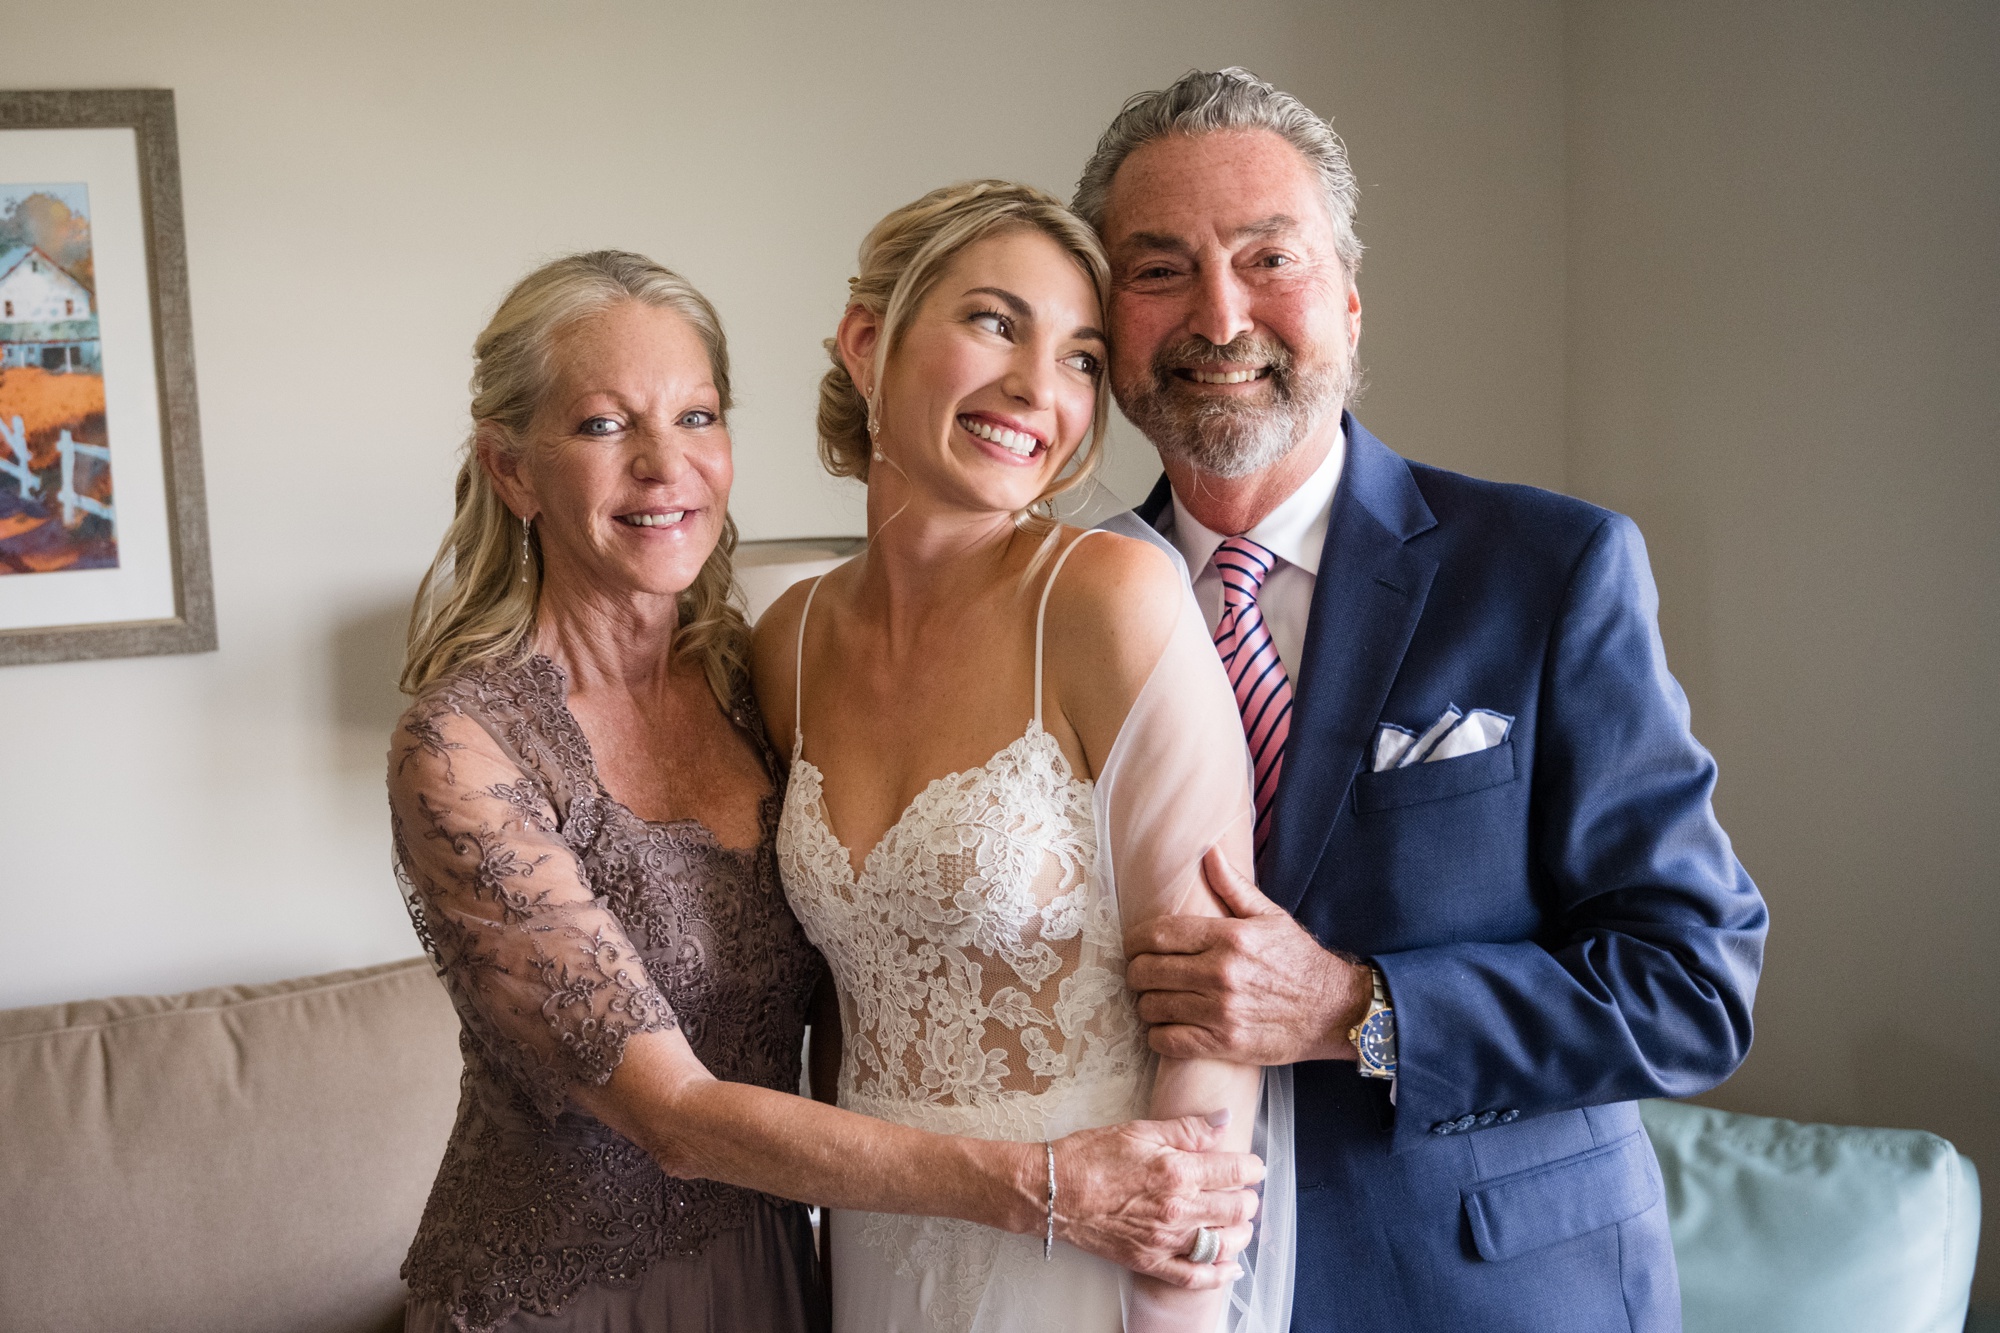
column 1011, row 741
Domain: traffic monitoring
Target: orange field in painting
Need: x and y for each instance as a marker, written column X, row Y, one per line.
column 39, row 534
column 47, row 403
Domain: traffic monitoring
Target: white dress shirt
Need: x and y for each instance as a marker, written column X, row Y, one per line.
column 1294, row 532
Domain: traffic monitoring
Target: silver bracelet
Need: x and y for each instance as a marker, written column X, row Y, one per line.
column 1049, row 1236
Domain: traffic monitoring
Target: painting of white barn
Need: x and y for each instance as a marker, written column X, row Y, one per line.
column 47, row 316
column 57, row 511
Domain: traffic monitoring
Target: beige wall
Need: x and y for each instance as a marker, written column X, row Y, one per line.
column 363, row 180
column 1784, row 361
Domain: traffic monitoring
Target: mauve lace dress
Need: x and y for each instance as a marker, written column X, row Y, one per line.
column 562, row 924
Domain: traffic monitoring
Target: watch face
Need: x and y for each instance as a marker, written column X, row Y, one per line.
column 1377, row 1046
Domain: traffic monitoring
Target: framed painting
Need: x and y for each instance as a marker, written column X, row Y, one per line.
column 103, row 527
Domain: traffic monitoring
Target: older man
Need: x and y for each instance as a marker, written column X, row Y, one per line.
column 1483, row 828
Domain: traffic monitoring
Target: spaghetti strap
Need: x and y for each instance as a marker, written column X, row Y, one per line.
column 799, row 675
column 1041, row 613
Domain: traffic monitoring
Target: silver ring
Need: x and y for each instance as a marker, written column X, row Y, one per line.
column 1207, row 1246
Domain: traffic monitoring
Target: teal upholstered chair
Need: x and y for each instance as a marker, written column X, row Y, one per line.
column 1781, row 1227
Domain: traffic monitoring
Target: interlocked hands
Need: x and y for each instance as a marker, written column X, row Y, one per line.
column 1136, row 1193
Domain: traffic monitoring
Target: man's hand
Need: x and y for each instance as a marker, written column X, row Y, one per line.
column 1136, row 1193
column 1253, row 988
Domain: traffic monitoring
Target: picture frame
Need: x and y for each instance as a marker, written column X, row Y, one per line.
column 103, row 517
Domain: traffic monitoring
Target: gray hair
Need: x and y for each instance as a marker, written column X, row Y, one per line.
column 1200, row 102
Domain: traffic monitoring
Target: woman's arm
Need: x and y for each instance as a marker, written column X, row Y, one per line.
column 1140, row 684
column 1178, row 1086
column 1130, row 1193
column 546, row 980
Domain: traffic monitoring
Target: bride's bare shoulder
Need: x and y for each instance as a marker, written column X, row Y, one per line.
column 780, row 619
column 1118, row 581
column 774, row 643
column 1113, row 604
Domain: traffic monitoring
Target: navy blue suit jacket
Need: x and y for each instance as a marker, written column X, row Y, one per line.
column 1561, row 921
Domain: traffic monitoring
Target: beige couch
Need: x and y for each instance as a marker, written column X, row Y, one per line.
column 253, row 1160
column 249, row 1158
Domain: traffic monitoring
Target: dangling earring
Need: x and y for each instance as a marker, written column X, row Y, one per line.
column 527, row 558
column 875, row 430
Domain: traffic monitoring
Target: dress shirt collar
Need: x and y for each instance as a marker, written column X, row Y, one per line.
column 1295, row 531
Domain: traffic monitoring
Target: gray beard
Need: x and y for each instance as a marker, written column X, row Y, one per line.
column 1225, row 438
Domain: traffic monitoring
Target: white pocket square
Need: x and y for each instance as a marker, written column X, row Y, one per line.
column 1454, row 734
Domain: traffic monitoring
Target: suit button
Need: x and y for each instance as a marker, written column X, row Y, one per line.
column 1509, row 1116
column 1444, row 1127
column 1486, row 1118
column 1465, row 1122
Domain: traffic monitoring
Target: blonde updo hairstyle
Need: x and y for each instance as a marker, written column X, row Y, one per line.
column 902, row 260
column 477, row 602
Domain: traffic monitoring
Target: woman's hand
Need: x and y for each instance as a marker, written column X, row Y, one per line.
column 1136, row 1193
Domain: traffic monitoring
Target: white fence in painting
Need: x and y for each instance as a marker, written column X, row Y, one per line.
column 15, row 440
column 72, row 502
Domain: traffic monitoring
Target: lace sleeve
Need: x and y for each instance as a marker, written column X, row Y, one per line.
column 540, row 970
column 1176, row 782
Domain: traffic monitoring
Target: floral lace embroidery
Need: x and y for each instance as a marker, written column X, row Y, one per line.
column 982, row 978
column 534, row 1201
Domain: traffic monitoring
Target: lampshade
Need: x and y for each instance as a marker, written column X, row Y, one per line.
column 766, row 569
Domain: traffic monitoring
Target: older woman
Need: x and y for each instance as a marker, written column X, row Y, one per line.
column 584, row 804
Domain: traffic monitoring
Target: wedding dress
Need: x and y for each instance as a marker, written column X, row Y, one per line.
column 978, row 955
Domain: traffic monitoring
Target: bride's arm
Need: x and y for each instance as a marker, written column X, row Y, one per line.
column 1138, row 682
column 546, row 981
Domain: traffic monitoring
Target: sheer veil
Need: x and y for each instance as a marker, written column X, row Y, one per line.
column 1177, row 781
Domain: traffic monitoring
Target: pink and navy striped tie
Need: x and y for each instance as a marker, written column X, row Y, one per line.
column 1263, row 691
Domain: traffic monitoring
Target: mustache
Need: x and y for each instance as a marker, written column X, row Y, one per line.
column 1248, row 347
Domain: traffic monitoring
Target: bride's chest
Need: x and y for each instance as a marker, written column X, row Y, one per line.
column 996, row 859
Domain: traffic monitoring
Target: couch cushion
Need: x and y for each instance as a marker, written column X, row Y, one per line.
column 1784, row 1227
column 247, row 1158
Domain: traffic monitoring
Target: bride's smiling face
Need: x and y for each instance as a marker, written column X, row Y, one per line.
column 993, row 384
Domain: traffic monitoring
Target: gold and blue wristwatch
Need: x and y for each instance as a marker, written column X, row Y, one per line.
column 1374, row 1037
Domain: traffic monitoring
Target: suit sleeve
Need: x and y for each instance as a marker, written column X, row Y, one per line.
column 1641, row 982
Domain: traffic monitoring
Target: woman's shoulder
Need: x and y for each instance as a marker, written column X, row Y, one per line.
column 774, row 647
column 1113, row 585
column 1111, row 611
column 507, row 691
column 469, row 710
column 777, row 629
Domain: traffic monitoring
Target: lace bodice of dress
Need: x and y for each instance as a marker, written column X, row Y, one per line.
column 562, row 924
column 978, row 954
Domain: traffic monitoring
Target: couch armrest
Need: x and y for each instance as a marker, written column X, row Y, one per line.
column 1783, row 1227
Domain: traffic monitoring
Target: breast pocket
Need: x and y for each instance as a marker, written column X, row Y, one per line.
column 1420, row 783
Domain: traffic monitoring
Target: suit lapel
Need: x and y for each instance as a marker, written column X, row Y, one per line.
column 1366, row 603
column 1154, row 510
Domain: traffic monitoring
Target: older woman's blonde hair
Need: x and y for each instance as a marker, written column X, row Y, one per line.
column 900, row 263
column 477, row 602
